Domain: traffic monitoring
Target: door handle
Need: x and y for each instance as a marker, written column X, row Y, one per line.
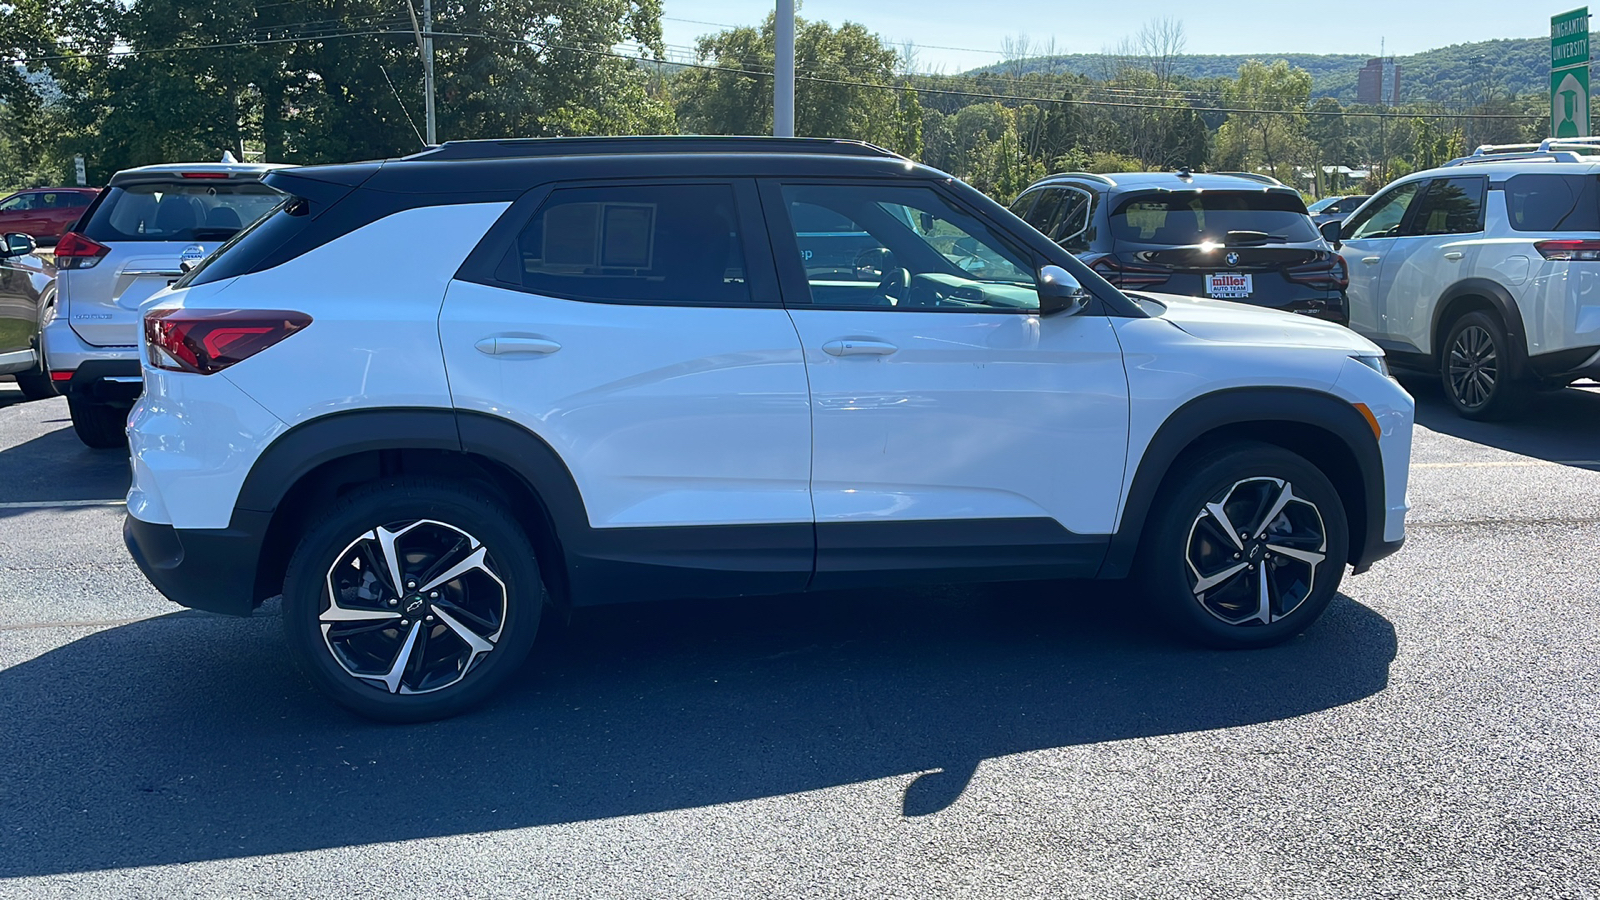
column 1371, row 260
column 508, row 346
column 853, row 347
column 1454, row 255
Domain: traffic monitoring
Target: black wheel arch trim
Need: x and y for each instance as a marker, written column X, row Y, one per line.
column 1504, row 305
column 1224, row 413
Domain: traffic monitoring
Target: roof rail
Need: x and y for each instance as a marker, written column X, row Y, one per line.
column 1549, row 149
column 1093, row 176
column 592, row 146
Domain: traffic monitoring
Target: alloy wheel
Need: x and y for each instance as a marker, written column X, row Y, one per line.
column 1473, row 367
column 1254, row 552
column 412, row 607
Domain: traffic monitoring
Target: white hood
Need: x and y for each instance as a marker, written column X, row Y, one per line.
column 1238, row 323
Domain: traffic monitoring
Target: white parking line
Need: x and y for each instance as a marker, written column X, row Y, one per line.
column 59, row 504
column 1509, row 464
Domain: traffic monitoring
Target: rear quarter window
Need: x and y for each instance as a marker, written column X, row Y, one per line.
column 1551, row 202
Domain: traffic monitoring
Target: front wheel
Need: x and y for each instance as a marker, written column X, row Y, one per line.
column 412, row 599
column 1247, row 548
column 1474, row 370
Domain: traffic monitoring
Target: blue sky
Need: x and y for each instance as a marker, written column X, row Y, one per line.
column 1223, row 26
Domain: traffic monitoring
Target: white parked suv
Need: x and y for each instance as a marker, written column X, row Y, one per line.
column 1485, row 271
column 427, row 397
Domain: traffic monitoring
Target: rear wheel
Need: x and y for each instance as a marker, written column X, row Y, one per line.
column 99, row 425
column 36, row 385
column 1474, row 369
column 1247, row 548
column 412, row 599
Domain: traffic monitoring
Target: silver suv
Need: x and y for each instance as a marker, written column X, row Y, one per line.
column 1485, row 271
column 132, row 242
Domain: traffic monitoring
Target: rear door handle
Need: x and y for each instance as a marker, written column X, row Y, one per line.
column 854, row 347
column 1454, row 255
column 1371, row 260
column 508, row 346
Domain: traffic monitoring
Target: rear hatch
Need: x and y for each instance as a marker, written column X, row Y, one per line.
column 1252, row 246
column 150, row 225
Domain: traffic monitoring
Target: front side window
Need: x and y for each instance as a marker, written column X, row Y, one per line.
column 1450, row 206
column 1383, row 217
column 19, row 203
column 634, row 244
column 912, row 250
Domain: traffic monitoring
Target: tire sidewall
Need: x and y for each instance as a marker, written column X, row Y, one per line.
column 1166, row 572
column 304, row 594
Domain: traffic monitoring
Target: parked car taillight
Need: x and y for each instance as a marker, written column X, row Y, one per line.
column 1129, row 275
column 74, row 251
column 1324, row 274
column 206, row 341
column 1569, row 250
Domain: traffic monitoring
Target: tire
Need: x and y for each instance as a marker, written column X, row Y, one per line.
column 36, row 385
column 1472, row 369
column 430, row 526
column 1192, row 540
column 99, row 425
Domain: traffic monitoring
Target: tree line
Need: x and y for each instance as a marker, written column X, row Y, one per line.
column 312, row 81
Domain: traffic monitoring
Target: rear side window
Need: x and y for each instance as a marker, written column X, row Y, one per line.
column 200, row 210
column 1450, row 206
column 1182, row 218
column 1549, row 202
column 637, row 244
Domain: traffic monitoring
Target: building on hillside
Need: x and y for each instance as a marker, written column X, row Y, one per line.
column 1378, row 83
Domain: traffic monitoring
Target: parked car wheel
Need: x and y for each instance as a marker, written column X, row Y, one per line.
column 36, row 385
column 1474, row 371
column 412, row 599
column 1247, row 547
column 99, row 425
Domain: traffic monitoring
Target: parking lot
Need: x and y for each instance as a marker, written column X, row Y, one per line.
column 1435, row 735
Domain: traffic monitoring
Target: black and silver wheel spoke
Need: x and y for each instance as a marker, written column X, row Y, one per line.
column 1254, row 552
column 412, row 607
column 1473, row 366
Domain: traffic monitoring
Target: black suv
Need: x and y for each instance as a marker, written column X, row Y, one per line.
column 1231, row 237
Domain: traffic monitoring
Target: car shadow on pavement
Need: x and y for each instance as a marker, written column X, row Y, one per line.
column 189, row 737
column 1559, row 426
column 56, row 466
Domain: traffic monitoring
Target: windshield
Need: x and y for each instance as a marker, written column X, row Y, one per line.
column 1182, row 218
column 186, row 211
column 1323, row 204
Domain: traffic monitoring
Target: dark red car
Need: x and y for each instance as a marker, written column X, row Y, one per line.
column 44, row 213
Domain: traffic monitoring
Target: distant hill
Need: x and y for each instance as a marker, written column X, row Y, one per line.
column 1458, row 72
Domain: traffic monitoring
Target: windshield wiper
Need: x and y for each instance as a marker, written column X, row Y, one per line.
column 1253, row 237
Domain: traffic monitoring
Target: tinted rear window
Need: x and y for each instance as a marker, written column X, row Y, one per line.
column 1548, row 202
column 1179, row 218
column 189, row 211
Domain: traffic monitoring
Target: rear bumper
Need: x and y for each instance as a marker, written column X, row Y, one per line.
column 213, row 569
column 104, row 381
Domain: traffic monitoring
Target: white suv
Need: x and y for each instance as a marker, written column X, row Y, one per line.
column 429, row 396
column 1485, row 271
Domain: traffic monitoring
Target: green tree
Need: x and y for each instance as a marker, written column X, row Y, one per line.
column 1270, row 131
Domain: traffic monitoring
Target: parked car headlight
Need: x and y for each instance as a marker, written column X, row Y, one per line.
column 1375, row 363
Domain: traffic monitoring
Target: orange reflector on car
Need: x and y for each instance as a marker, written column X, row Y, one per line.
column 1372, row 420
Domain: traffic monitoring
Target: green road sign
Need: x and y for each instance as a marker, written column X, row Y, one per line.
column 1569, row 102
column 1569, row 74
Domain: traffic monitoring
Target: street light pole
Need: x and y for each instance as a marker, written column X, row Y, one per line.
column 427, row 68
column 783, row 72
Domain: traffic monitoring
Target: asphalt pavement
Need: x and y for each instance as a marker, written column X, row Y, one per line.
column 1435, row 735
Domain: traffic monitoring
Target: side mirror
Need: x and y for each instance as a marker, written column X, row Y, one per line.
column 1332, row 232
column 1059, row 292
column 18, row 244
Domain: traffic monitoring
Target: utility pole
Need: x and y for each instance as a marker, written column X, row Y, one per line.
column 427, row 67
column 783, row 72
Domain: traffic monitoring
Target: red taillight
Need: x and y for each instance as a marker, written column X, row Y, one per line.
column 1129, row 275
column 1324, row 274
column 1569, row 250
column 74, row 251
column 210, row 340
column 205, row 174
